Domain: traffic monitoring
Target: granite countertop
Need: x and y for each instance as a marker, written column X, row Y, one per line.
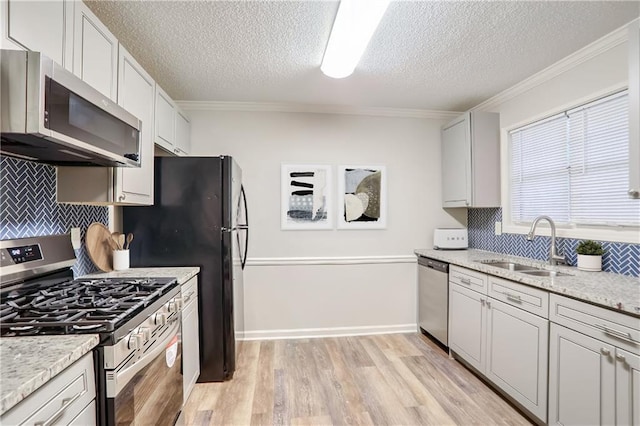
column 619, row 292
column 183, row 273
column 27, row 363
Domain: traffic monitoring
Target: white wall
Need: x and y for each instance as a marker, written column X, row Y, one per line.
column 365, row 280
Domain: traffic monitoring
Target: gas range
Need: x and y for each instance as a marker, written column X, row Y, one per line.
column 97, row 306
column 138, row 360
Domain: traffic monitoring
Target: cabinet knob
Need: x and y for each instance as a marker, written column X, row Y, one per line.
column 620, row 357
column 634, row 193
column 605, row 352
column 122, row 197
column 488, row 304
column 482, row 302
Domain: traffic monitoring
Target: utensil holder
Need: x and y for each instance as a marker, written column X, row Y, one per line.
column 120, row 260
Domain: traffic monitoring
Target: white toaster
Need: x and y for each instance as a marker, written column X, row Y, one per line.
column 450, row 239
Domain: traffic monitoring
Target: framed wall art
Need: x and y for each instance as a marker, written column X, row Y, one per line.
column 306, row 197
column 362, row 197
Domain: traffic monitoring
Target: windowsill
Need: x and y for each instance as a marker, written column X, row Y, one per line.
column 620, row 235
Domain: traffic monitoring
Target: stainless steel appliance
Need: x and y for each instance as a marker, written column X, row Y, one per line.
column 433, row 298
column 200, row 219
column 49, row 115
column 138, row 360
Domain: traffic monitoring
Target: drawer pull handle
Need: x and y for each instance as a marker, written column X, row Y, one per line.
column 66, row 402
column 513, row 297
column 187, row 297
column 619, row 334
column 482, row 302
column 488, row 304
column 605, row 352
column 465, row 281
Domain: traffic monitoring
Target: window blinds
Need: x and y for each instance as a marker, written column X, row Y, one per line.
column 574, row 166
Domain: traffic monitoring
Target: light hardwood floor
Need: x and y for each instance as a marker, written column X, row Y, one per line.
column 400, row 379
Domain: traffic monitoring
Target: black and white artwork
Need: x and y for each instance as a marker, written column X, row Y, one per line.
column 363, row 197
column 306, row 197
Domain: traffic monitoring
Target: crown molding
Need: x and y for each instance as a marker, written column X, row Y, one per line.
column 316, row 109
column 590, row 51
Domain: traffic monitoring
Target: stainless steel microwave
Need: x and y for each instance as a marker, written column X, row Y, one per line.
column 49, row 115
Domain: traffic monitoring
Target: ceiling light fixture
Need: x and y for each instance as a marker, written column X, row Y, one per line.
column 355, row 23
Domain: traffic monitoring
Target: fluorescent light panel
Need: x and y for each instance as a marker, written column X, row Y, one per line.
column 355, row 23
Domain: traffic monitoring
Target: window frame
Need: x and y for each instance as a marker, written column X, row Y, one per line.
column 624, row 234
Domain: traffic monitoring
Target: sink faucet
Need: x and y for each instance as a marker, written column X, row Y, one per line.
column 554, row 256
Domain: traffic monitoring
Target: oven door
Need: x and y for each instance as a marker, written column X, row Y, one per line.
column 150, row 390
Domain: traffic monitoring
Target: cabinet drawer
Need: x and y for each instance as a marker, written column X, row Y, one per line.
column 474, row 280
column 527, row 298
column 189, row 291
column 65, row 395
column 612, row 327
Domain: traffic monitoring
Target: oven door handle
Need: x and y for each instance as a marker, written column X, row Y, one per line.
column 122, row 377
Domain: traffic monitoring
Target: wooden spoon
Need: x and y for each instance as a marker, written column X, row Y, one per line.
column 129, row 239
column 121, row 241
column 115, row 236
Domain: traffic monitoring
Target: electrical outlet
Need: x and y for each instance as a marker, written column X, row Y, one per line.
column 498, row 228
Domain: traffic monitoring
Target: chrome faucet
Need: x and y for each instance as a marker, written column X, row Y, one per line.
column 554, row 256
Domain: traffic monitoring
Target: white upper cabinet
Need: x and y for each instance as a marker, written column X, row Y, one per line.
column 118, row 185
column 136, row 95
column 471, row 161
column 165, row 121
column 95, row 52
column 634, row 109
column 183, row 134
column 39, row 26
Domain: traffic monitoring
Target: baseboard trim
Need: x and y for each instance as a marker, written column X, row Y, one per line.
column 304, row 333
column 344, row 260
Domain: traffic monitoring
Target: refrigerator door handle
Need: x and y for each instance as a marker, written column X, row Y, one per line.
column 244, row 227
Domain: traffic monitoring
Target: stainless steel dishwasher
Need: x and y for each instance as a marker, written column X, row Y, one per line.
column 433, row 298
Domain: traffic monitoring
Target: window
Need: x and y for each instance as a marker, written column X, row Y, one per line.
column 574, row 167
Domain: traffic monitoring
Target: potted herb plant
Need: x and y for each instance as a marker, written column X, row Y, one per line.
column 589, row 255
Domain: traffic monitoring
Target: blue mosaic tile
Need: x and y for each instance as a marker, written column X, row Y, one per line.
column 28, row 207
column 619, row 258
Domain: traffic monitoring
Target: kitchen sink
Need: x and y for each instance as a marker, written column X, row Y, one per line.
column 545, row 273
column 510, row 266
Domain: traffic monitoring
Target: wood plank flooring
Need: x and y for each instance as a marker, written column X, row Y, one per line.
column 393, row 379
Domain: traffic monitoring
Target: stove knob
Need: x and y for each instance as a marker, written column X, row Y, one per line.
column 159, row 319
column 145, row 333
column 173, row 306
column 132, row 341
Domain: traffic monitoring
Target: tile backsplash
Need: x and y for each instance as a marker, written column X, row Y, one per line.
column 28, row 207
column 619, row 258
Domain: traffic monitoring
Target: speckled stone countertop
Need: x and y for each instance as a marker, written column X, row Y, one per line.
column 183, row 274
column 619, row 292
column 27, row 363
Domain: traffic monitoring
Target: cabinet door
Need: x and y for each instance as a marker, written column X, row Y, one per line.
column 517, row 344
column 627, row 388
column 190, row 348
column 183, row 134
column 581, row 379
column 95, row 52
column 41, row 26
column 456, row 163
column 467, row 325
column 136, row 95
column 165, row 122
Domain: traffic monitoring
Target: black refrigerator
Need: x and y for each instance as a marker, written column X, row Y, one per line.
column 199, row 218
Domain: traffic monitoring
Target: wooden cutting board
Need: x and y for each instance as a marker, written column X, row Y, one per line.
column 98, row 246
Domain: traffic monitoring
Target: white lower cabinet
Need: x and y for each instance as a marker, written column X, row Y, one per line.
column 594, row 365
column 501, row 340
column 190, row 336
column 517, row 355
column 67, row 399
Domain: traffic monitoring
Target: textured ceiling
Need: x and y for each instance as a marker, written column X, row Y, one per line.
column 439, row 55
